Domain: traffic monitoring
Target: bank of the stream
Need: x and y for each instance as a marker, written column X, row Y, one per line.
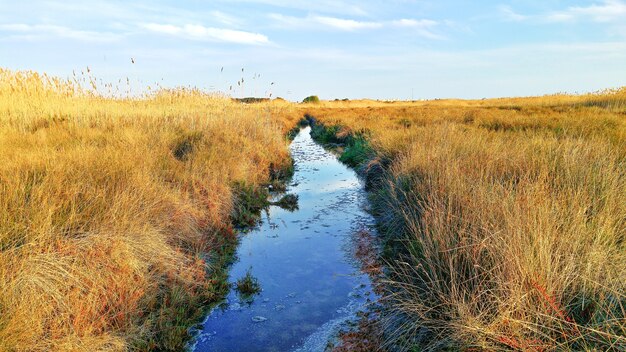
column 118, row 215
column 497, row 222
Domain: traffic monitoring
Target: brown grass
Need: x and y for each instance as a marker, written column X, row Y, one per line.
column 507, row 216
column 114, row 212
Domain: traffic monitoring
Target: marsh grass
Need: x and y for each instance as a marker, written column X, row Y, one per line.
column 115, row 213
column 248, row 285
column 505, row 219
column 288, row 202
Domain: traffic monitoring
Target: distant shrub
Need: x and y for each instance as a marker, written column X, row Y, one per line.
column 251, row 100
column 313, row 99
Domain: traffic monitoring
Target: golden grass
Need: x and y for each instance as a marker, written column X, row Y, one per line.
column 508, row 217
column 114, row 211
column 508, row 214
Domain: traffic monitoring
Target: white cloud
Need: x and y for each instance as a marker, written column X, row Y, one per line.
column 422, row 27
column 605, row 11
column 225, row 18
column 162, row 28
column 558, row 17
column 323, row 22
column 415, row 23
column 199, row 32
column 41, row 31
column 353, row 7
column 510, row 15
column 344, row 24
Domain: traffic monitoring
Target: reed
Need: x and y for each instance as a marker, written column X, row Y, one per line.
column 505, row 219
column 115, row 211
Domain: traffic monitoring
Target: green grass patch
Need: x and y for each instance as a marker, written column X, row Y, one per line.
column 288, row 202
column 356, row 148
column 249, row 201
column 248, row 286
column 357, row 152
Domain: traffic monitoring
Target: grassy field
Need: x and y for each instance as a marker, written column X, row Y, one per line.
column 504, row 219
column 116, row 215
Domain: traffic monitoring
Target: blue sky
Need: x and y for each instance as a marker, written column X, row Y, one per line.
column 394, row 49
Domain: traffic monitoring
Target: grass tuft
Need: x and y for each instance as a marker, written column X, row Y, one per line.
column 248, row 285
column 288, row 202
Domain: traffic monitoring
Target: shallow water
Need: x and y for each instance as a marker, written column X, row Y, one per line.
column 303, row 261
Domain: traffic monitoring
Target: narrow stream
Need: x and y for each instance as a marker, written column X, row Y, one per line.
column 304, row 261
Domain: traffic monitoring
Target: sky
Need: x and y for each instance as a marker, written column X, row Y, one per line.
column 395, row 49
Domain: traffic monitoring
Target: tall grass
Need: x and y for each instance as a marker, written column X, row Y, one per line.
column 115, row 212
column 505, row 220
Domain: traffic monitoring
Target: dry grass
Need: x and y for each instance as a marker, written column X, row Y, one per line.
column 508, row 219
column 114, row 213
column 507, row 216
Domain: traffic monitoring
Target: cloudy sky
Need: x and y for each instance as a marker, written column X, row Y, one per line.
column 395, row 49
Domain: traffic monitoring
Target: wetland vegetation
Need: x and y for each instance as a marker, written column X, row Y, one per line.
column 502, row 221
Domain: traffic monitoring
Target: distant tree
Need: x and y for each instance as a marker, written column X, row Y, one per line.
column 313, row 99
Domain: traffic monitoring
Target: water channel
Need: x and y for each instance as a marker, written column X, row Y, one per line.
column 304, row 261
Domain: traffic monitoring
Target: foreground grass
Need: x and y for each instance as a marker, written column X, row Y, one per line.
column 505, row 219
column 115, row 214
